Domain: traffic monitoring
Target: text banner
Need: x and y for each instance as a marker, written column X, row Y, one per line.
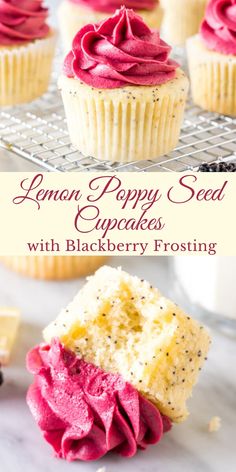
column 117, row 214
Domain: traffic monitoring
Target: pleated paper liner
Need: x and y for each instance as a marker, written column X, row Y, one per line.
column 25, row 70
column 213, row 78
column 54, row 267
column 125, row 124
column 182, row 19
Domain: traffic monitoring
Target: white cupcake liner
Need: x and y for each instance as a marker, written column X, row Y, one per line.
column 182, row 19
column 25, row 70
column 127, row 124
column 54, row 267
column 216, row 74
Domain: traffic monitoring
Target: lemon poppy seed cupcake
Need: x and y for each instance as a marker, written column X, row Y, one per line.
column 116, row 369
column 74, row 14
column 124, row 98
column 54, row 267
column 27, row 47
column 212, row 59
column 182, row 19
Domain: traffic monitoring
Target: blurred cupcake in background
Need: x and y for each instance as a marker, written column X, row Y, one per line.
column 54, row 267
column 212, row 59
column 182, row 19
column 27, row 47
column 124, row 97
column 73, row 14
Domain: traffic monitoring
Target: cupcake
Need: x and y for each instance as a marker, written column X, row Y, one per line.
column 74, row 14
column 212, row 59
column 116, row 369
column 54, row 267
column 124, row 98
column 182, row 19
column 27, row 47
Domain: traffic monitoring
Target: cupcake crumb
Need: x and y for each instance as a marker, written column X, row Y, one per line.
column 102, row 469
column 214, row 424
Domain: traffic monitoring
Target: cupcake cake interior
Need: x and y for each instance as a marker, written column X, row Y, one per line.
column 116, row 368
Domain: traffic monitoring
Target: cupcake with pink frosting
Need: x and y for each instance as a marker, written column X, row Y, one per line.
column 73, row 14
column 27, row 47
column 124, row 97
column 212, row 59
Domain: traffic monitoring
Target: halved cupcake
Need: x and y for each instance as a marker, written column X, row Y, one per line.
column 74, row 14
column 124, row 97
column 27, row 46
column 212, row 59
column 116, row 370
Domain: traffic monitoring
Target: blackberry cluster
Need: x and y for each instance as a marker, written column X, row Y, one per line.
column 218, row 167
column 1, row 378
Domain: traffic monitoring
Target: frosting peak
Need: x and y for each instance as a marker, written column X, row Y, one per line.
column 119, row 51
column 109, row 6
column 21, row 22
column 85, row 412
column 218, row 29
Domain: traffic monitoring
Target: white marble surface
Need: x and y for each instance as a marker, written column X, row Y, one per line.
column 188, row 447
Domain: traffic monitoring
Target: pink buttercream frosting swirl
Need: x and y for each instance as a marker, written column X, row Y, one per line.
column 109, row 6
column 85, row 412
column 22, row 21
column 218, row 29
column 119, row 51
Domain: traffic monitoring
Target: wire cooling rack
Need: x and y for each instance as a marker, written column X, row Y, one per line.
column 38, row 132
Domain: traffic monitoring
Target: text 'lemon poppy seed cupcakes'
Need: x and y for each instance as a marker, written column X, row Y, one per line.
column 54, row 267
column 27, row 47
column 115, row 370
column 124, row 98
column 212, row 59
column 182, row 19
column 74, row 14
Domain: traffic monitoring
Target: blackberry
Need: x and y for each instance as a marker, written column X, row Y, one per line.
column 218, row 167
column 1, row 378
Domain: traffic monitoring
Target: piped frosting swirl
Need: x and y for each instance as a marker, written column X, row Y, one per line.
column 119, row 51
column 85, row 412
column 218, row 29
column 22, row 22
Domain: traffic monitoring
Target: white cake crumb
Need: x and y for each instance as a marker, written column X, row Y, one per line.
column 214, row 424
column 102, row 469
column 133, row 330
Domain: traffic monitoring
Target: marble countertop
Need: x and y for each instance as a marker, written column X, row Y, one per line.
column 188, row 447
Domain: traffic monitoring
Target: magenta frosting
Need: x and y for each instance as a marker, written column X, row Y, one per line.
column 109, row 6
column 22, row 21
column 85, row 412
column 218, row 29
column 119, row 51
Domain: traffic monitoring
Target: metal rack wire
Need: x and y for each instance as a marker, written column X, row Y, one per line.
column 38, row 132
